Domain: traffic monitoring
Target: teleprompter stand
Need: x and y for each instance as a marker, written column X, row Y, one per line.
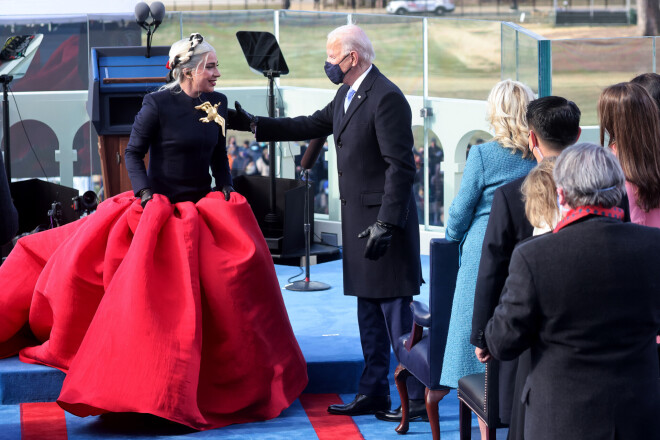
column 264, row 56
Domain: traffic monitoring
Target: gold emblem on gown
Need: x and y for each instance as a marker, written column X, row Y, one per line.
column 212, row 112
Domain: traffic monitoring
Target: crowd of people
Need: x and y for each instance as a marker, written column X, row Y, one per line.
column 559, row 248
column 249, row 159
column 436, row 156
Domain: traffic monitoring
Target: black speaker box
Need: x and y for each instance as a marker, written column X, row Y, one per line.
column 286, row 236
column 34, row 198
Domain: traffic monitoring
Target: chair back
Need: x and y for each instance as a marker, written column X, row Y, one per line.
column 444, row 268
column 480, row 392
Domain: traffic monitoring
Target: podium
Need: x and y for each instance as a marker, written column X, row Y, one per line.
column 119, row 79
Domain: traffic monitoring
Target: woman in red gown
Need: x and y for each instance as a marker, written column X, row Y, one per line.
column 165, row 300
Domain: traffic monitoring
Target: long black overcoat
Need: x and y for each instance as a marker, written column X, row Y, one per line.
column 376, row 170
column 585, row 301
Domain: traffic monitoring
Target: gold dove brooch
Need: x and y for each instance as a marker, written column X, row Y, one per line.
column 212, row 114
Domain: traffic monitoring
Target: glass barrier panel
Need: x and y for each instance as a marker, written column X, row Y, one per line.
column 398, row 43
column 457, row 125
column 110, row 30
column 528, row 61
column 306, row 56
column 219, row 28
column 509, row 48
column 582, row 68
column 464, row 57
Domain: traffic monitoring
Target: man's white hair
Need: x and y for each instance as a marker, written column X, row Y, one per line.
column 353, row 38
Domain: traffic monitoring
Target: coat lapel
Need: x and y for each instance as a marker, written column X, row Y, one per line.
column 359, row 98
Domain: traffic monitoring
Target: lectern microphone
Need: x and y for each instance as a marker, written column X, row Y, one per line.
column 157, row 13
column 142, row 13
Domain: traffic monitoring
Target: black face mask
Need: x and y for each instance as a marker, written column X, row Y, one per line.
column 334, row 71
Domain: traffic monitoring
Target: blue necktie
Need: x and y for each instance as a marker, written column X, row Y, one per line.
column 349, row 96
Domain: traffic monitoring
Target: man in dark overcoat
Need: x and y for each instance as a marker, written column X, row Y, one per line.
column 370, row 120
column 584, row 299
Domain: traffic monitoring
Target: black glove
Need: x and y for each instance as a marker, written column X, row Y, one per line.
column 145, row 195
column 245, row 121
column 380, row 237
column 226, row 190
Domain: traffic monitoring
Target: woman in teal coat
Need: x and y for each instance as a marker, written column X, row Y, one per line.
column 488, row 166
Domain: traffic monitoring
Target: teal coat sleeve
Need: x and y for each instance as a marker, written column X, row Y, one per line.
column 462, row 209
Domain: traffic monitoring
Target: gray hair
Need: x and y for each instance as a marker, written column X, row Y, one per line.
column 353, row 38
column 187, row 54
column 589, row 175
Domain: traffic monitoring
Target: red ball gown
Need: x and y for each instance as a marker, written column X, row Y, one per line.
column 174, row 310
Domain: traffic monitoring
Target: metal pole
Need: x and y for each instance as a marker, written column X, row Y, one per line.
column 545, row 67
column 271, row 217
column 425, row 92
column 6, row 79
column 306, row 285
column 308, row 242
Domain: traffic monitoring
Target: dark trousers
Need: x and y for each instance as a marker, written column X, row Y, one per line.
column 382, row 321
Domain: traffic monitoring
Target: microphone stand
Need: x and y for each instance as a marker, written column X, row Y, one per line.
column 306, row 285
column 149, row 34
column 5, row 80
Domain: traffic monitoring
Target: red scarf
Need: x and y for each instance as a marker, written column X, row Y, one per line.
column 582, row 211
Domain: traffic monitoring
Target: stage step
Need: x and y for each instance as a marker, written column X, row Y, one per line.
column 22, row 383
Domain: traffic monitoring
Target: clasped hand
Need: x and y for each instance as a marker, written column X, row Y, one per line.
column 482, row 354
column 380, row 237
column 227, row 190
column 145, row 195
column 246, row 121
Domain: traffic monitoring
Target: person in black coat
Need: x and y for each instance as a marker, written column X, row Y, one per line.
column 554, row 124
column 9, row 216
column 584, row 300
column 370, row 120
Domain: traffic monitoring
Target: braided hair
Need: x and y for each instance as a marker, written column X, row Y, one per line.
column 186, row 54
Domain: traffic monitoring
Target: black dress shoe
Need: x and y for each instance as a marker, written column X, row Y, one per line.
column 416, row 410
column 362, row 405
